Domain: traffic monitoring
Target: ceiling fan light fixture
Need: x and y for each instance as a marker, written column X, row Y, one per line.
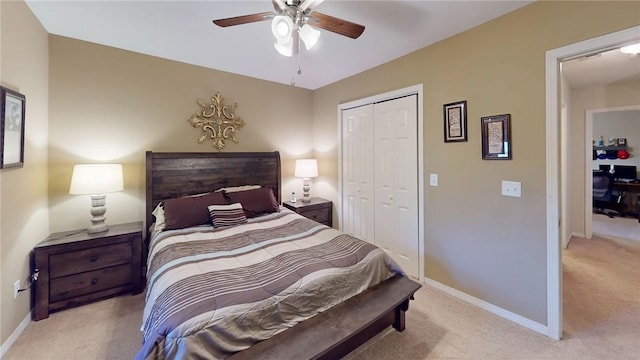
column 309, row 4
column 633, row 49
column 309, row 36
column 284, row 48
column 282, row 28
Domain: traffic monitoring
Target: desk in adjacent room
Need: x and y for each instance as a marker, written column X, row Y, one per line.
column 632, row 188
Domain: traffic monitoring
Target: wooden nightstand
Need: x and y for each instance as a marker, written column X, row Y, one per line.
column 318, row 209
column 75, row 267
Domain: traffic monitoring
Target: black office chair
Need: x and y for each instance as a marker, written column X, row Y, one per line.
column 605, row 200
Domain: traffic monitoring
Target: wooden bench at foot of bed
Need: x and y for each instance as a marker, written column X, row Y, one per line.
column 337, row 331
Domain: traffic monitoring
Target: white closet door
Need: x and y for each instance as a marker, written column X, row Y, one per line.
column 396, row 180
column 357, row 172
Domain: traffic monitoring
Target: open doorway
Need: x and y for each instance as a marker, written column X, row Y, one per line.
column 558, row 195
column 623, row 120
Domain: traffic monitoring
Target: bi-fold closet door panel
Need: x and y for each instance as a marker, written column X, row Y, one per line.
column 357, row 172
column 380, row 177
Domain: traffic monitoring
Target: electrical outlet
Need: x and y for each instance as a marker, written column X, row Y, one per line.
column 16, row 288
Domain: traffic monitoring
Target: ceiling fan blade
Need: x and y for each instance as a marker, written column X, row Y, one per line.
column 310, row 4
column 245, row 19
column 338, row 26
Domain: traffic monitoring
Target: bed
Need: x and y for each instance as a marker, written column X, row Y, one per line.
column 270, row 285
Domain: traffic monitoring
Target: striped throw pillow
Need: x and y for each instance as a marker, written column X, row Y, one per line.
column 226, row 215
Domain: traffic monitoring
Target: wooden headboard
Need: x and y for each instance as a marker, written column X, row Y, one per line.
column 174, row 174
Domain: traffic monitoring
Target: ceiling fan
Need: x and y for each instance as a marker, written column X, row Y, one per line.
column 294, row 20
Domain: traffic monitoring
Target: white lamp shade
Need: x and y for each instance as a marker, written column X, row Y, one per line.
column 309, row 35
column 282, row 28
column 96, row 179
column 306, row 168
column 285, row 49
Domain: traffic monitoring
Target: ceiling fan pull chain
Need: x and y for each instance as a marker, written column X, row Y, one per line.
column 293, row 80
column 299, row 72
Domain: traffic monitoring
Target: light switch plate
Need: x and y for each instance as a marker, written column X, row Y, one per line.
column 512, row 188
column 433, row 179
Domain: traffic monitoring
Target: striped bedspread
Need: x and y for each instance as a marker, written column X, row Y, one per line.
column 213, row 292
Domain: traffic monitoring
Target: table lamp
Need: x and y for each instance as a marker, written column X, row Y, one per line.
column 96, row 180
column 306, row 169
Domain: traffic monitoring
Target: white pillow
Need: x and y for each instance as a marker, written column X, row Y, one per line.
column 239, row 188
column 158, row 212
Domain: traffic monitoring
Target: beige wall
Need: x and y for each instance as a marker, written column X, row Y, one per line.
column 566, row 225
column 110, row 105
column 582, row 99
column 23, row 201
column 477, row 241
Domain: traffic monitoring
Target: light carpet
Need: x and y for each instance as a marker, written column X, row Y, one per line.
column 601, row 292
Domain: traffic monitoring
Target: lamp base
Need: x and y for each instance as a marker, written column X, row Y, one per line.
column 306, row 186
column 98, row 209
column 95, row 228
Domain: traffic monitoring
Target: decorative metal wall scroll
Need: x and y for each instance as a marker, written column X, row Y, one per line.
column 217, row 121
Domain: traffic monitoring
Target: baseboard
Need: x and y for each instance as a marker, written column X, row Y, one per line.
column 580, row 235
column 14, row 336
column 522, row 321
column 574, row 235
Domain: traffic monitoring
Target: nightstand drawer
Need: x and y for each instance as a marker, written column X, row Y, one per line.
column 89, row 259
column 89, row 282
column 320, row 215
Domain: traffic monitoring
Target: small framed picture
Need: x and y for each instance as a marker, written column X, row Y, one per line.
column 12, row 111
column 496, row 137
column 455, row 121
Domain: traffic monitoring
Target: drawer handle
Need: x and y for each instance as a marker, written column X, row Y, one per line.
column 94, row 258
column 94, row 281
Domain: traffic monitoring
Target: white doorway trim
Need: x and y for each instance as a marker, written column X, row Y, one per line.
column 554, row 263
column 588, row 182
column 411, row 90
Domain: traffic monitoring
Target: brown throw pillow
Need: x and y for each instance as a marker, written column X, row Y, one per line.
column 255, row 202
column 190, row 211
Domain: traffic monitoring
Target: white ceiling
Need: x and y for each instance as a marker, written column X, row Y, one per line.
column 182, row 31
column 601, row 69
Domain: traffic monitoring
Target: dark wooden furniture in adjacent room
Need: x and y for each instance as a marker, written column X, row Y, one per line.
column 317, row 209
column 75, row 267
column 633, row 191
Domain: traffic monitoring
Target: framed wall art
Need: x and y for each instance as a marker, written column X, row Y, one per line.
column 12, row 111
column 455, row 121
column 496, row 137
